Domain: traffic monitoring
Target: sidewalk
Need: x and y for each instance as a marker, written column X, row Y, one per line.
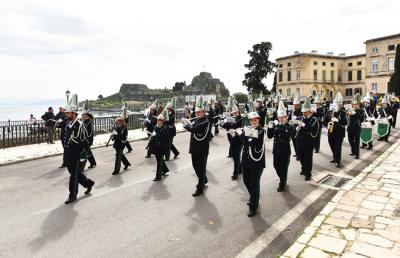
column 362, row 220
column 35, row 151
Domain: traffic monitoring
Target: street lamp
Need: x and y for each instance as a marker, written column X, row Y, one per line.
column 67, row 93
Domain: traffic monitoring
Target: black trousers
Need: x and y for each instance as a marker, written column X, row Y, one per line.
column 91, row 159
column 119, row 156
column 394, row 119
column 281, row 165
column 306, row 161
column 63, row 162
column 128, row 146
column 335, row 143
column 216, row 129
column 354, row 140
column 230, row 154
column 161, row 166
column 251, row 179
column 318, row 138
column 236, row 154
column 294, row 140
column 171, row 147
column 74, row 166
column 199, row 163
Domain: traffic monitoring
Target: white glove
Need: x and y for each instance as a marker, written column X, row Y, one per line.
column 335, row 119
column 368, row 119
column 271, row 124
column 294, row 117
column 185, row 121
column 239, row 131
column 147, row 120
column 59, row 120
column 353, row 112
column 221, row 122
column 276, row 122
column 231, row 132
column 302, row 124
column 114, row 132
column 390, row 117
column 298, row 128
column 153, row 133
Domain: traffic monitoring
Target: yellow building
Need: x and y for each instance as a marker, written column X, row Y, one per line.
column 380, row 54
column 327, row 74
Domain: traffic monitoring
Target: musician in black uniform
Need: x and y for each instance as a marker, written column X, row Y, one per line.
column 158, row 146
column 127, row 144
column 219, row 110
column 253, row 160
column 120, row 136
column 261, row 110
column 150, row 123
column 75, row 152
column 370, row 116
column 211, row 116
column 385, row 112
column 88, row 122
column 337, row 129
column 394, row 104
column 235, row 144
column 282, row 132
column 294, row 115
column 193, row 109
column 320, row 115
column 62, row 122
column 171, row 132
column 199, row 145
column 307, row 131
column 356, row 117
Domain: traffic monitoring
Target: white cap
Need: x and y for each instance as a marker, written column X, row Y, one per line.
column 252, row 115
column 160, row 117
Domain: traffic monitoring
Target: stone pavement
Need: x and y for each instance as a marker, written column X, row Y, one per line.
column 362, row 220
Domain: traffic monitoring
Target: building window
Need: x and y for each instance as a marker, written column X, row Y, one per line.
column 314, row 92
column 298, row 91
column 280, row 92
column 280, row 65
column 374, row 50
column 324, row 75
column 374, row 87
column 391, row 64
column 280, row 76
column 332, row 64
column 315, row 63
column 339, row 78
column 349, row 92
column 289, row 92
column 332, row 76
column 391, row 47
column 350, row 76
column 331, row 94
column 375, row 66
column 315, row 75
column 359, row 75
column 350, row 64
column 359, row 63
column 289, row 76
column 298, row 74
column 289, row 64
column 323, row 63
column 358, row 90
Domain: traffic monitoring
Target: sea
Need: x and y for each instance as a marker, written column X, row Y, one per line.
column 23, row 111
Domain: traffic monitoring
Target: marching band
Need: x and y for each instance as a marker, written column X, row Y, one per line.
column 246, row 131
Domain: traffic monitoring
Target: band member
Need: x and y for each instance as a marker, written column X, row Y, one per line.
column 295, row 116
column 193, row 109
column 235, row 144
column 172, row 132
column 320, row 115
column 75, row 151
column 127, row 144
column 385, row 112
column 211, row 115
column 199, row 145
column 88, row 122
column 253, row 160
column 394, row 104
column 261, row 110
column 337, row 129
column 356, row 117
column 62, row 123
column 370, row 116
column 120, row 136
column 282, row 132
column 307, row 131
column 219, row 110
column 150, row 123
column 159, row 143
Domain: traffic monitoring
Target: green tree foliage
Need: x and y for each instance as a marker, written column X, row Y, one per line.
column 178, row 86
column 274, row 84
column 394, row 83
column 259, row 67
column 240, row 97
column 100, row 97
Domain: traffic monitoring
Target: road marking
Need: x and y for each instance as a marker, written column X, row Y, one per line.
column 256, row 247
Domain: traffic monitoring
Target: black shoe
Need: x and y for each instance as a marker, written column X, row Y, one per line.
column 62, row 166
column 357, row 157
column 115, row 173
column 332, row 161
column 316, row 151
column 126, row 167
column 251, row 213
column 386, row 140
column 370, row 147
column 148, row 156
column 248, row 203
column 176, row 156
column 338, row 165
column 234, row 177
column 297, row 158
column 281, row 188
column 206, row 181
column 157, row 179
column 302, row 173
column 307, row 178
column 89, row 189
column 363, row 146
column 166, row 159
column 197, row 193
column 129, row 151
column 92, row 166
column 165, row 172
column 380, row 139
column 294, row 155
column 229, row 156
column 70, row 200
column 352, row 154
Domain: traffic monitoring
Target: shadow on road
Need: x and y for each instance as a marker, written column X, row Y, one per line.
column 205, row 215
column 157, row 191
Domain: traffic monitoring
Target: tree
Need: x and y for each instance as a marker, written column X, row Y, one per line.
column 259, row 67
column 273, row 90
column 394, row 83
column 178, row 86
column 100, row 98
column 240, row 97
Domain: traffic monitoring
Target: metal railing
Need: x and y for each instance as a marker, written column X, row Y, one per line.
column 16, row 133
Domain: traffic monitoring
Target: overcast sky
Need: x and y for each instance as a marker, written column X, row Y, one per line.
column 92, row 47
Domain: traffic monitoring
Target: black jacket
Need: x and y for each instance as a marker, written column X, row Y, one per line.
column 253, row 155
column 239, row 123
column 282, row 135
column 339, row 127
column 262, row 112
column 151, row 121
column 199, row 137
column 171, row 125
column 121, row 137
column 355, row 121
column 76, row 140
column 159, row 142
column 49, row 118
column 89, row 129
column 307, row 134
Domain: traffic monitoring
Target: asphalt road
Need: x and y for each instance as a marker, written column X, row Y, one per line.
column 130, row 215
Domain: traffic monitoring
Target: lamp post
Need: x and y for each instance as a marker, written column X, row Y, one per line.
column 67, row 93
